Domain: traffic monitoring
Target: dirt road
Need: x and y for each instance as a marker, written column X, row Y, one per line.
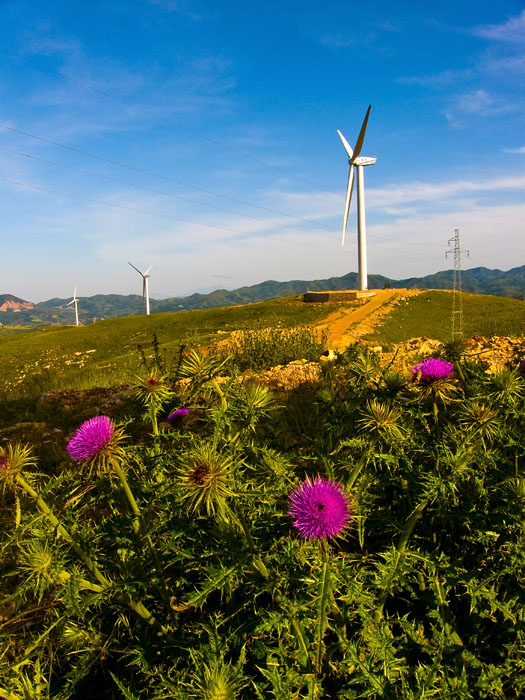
column 345, row 326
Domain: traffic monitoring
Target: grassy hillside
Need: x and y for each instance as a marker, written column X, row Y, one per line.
column 478, row 280
column 429, row 314
column 105, row 353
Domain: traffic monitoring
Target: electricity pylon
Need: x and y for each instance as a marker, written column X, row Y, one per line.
column 457, row 298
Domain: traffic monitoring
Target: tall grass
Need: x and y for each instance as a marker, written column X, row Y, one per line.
column 268, row 347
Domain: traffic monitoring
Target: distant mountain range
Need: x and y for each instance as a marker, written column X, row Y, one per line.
column 478, row 280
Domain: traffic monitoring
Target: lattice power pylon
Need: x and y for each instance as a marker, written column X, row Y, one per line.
column 457, row 298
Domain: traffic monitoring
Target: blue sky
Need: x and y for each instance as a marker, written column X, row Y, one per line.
column 201, row 136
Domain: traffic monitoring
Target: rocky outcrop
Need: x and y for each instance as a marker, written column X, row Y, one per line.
column 16, row 306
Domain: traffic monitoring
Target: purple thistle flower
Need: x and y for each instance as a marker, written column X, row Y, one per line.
column 177, row 416
column 432, row 369
column 521, row 366
column 320, row 508
column 92, row 436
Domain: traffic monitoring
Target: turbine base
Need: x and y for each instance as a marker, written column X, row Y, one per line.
column 340, row 295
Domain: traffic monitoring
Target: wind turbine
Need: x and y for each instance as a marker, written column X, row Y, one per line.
column 145, row 277
column 358, row 162
column 75, row 302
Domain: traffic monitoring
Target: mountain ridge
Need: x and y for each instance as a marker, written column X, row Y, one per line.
column 478, row 280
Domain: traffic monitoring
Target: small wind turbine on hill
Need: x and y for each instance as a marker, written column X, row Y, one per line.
column 145, row 290
column 75, row 302
column 358, row 162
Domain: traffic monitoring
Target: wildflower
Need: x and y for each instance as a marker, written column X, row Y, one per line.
column 320, row 508
column 203, row 478
column 96, row 441
column 521, row 367
column 432, row 370
column 328, row 356
column 92, row 436
column 176, row 417
column 14, row 458
column 152, row 389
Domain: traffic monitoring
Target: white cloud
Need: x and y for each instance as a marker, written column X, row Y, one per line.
column 408, row 228
column 425, row 192
column 513, row 30
column 521, row 149
column 437, row 80
column 477, row 103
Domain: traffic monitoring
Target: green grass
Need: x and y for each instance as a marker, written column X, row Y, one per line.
column 429, row 314
column 105, row 353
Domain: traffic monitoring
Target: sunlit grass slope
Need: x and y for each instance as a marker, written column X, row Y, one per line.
column 106, row 353
column 429, row 314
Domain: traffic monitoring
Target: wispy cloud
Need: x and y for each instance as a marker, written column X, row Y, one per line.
column 521, row 149
column 188, row 8
column 426, row 192
column 513, row 30
column 437, row 80
column 365, row 37
column 478, row 103
column 499, row 68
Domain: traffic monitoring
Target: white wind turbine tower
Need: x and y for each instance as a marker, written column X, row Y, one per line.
column 358, row 162
column 75, row 302
column 145, row 290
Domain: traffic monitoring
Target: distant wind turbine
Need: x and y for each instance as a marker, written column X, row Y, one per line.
column 145, row 290
column 75, row 302
column 355, row 161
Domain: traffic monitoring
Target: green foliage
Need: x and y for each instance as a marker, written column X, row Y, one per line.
column 176, row 572
column 429, row 314
column 268, row 347
column 104, row 354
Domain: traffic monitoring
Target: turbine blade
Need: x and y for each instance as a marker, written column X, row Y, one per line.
column 149, row 268
column 361, row 137
column 347, row 201
column 70, row 302
column 135, row 268
column 347, row 146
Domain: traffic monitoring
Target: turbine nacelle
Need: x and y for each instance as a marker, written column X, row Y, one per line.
column 363, row 160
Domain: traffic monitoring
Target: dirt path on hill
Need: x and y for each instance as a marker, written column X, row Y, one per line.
column 345, row 325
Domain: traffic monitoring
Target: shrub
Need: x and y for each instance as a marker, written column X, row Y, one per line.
column 268, row 347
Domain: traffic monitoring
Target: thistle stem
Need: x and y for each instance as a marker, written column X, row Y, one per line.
column 400, row 550
column 46, row 510
column 137, row 527
column 434, row 409
column 153, row 418
column 131, row 499
column 42, row 506
column 324, row 588
column 357, row 470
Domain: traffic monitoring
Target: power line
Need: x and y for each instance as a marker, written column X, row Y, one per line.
column 160, row 177
column 154, row 213
column 155, row 116
column 165, row 194
column 173, row 218
column 184, row 184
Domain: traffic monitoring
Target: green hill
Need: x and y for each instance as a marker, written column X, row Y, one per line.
column 105, row 353
column 479, row 280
